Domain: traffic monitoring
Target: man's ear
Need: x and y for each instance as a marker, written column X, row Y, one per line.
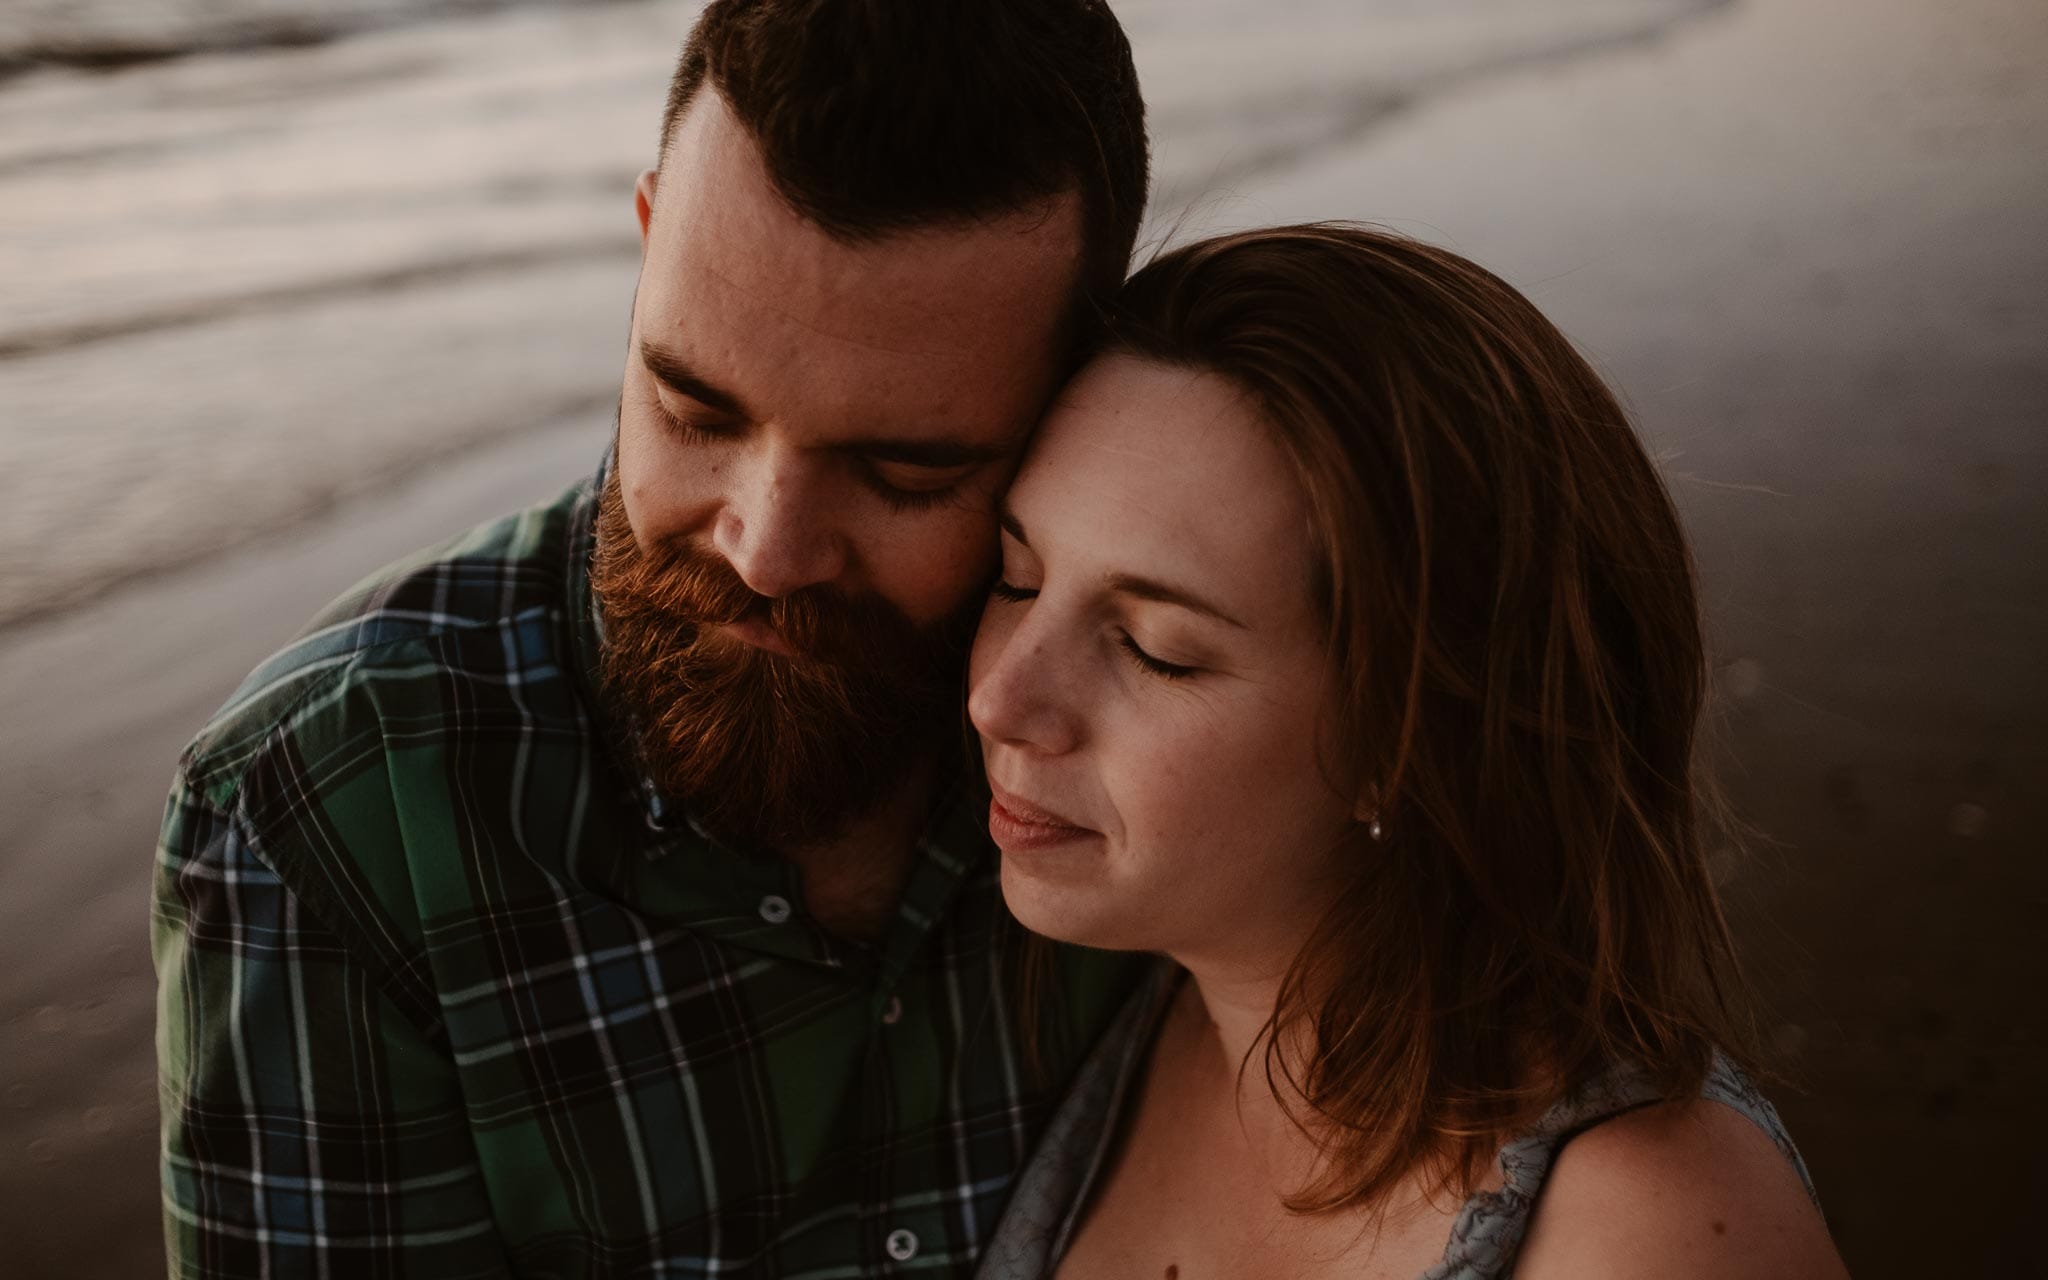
column 643, row 202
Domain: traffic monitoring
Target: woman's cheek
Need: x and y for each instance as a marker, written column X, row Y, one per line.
column 1177, row 792
column 1242, row 777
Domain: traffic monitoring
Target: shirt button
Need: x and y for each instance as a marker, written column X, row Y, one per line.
column 901, row 1244
column 893, row 1012
column 774, row 909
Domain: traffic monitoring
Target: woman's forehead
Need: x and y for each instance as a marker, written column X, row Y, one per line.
column 1144, row 466
column 1131, row 419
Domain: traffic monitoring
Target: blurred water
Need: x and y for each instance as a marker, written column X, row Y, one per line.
column 116, row 33
column 241, row 288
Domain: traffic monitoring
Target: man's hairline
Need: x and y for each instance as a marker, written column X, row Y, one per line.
column 1041, row 209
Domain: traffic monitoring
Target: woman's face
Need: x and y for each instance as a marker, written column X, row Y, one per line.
column 1149, row 678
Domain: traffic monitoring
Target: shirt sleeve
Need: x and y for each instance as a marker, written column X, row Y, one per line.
column 310, row 1128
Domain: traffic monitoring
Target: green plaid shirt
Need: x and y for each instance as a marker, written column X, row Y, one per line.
column 445, row 991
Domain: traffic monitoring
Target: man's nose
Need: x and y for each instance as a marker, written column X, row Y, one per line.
column 777, row 527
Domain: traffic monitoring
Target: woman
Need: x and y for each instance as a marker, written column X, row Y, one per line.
column 1347, row 655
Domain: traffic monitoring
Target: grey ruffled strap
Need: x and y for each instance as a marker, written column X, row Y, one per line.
column 1490, row 1229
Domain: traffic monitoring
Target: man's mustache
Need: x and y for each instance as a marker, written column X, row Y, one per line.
column 771, row 748
column 689, row 590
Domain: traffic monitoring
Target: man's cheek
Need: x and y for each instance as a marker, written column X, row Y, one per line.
column 952, row 568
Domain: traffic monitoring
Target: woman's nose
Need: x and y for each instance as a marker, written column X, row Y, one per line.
column 1018, row 692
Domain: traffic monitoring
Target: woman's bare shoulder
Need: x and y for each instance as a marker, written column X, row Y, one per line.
column 1682, row 1190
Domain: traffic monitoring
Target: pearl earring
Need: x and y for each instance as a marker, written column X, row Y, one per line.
column 1375, row 830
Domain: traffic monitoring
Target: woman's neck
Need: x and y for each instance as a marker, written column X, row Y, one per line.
column 1229, row 1011
column 1238, row 1006
column 1225, row 1013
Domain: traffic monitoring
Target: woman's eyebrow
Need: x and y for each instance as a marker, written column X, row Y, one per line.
column 1130, row 584
column 1149, row 589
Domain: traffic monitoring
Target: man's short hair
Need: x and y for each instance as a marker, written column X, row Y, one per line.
column 876, row 116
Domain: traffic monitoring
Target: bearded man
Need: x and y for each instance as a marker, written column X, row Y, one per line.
column 603, row 892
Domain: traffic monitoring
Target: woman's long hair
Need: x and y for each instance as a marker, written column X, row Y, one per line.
column 1514, row 631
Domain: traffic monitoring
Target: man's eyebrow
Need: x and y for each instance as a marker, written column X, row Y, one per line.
column 927, row 453
column 680, row 378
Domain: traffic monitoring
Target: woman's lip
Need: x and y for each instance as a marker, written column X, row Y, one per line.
column 1013, row 834
column 1023, row 810
column 1024, row 815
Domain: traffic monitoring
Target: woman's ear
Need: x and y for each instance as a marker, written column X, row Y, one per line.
column 1368, row 810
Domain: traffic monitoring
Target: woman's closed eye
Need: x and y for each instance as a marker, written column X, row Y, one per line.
column 1154, row 666
column 1010, row 593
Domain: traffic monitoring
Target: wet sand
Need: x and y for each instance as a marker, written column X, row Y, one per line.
column 1802, row 235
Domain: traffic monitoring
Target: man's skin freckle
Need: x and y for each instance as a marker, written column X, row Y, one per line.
column 1720, row 1227
column 1173, row 1270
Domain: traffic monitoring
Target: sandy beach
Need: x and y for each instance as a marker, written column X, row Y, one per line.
column 1803, row 236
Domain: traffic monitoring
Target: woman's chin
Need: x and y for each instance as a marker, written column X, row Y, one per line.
column 1065, row 912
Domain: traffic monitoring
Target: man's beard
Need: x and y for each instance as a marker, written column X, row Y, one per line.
column 770, row 750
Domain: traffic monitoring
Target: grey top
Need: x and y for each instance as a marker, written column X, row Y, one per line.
column 1052, row 1190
